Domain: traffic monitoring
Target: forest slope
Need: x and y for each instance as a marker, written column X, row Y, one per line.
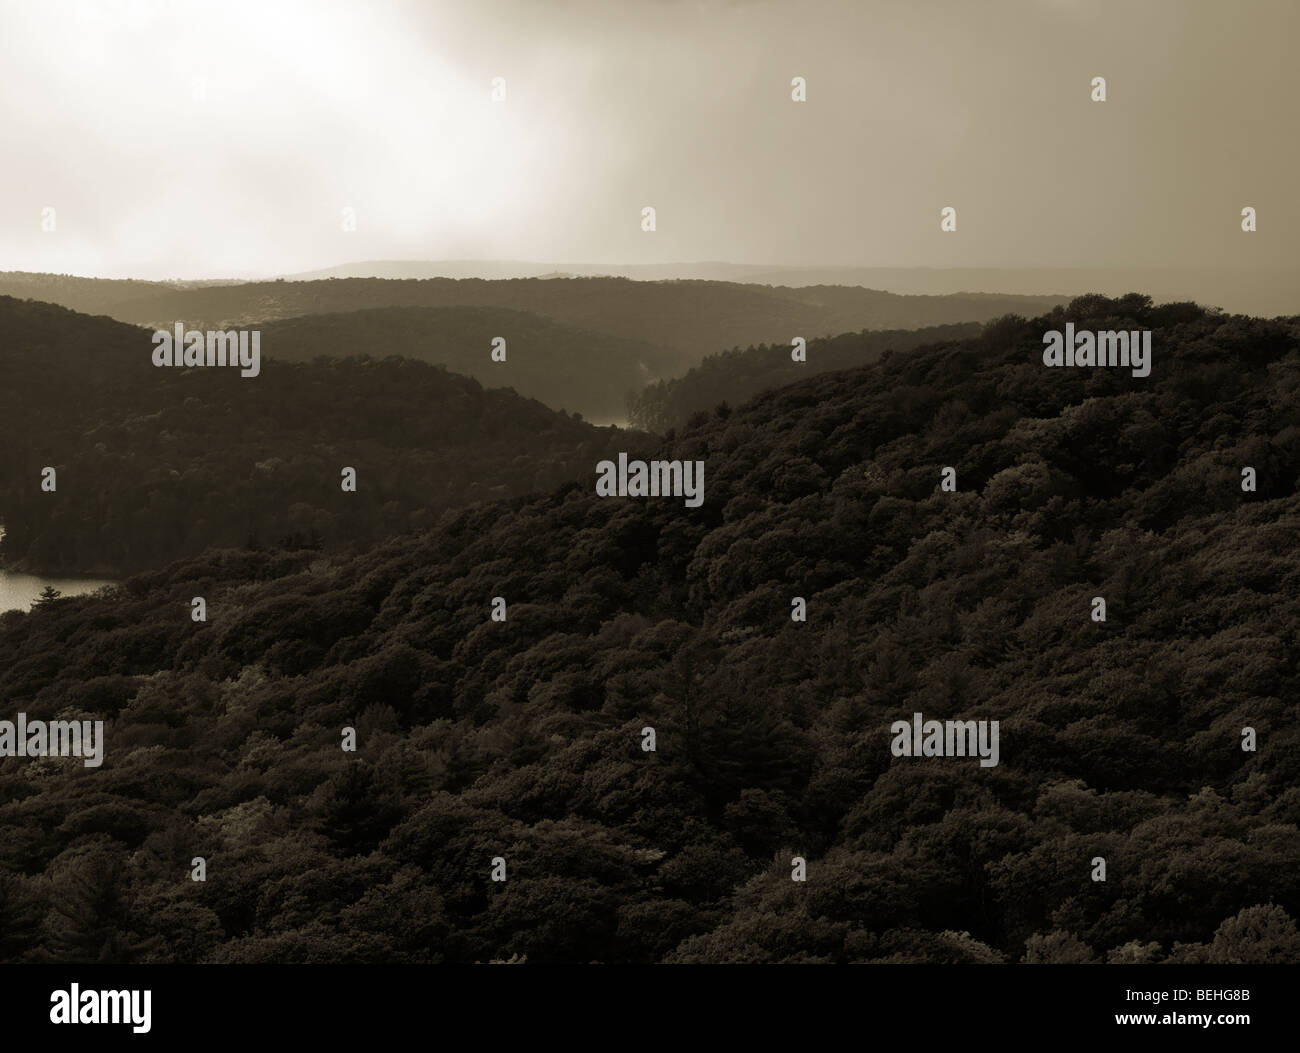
column 87, row 295
column 690, row 319
column 736, row 376
column 157, row 463
column 522, row 739
column 560, row 365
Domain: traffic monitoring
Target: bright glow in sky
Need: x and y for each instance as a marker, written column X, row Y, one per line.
column 212, row 139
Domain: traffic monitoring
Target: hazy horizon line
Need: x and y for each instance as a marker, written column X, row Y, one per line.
column 252, row 277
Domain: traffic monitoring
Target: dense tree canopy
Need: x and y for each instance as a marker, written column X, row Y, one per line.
column 522, row 739
column 157, row 463
column 736, row 376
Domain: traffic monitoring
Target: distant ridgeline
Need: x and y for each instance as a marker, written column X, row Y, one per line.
column 684, row 320
column 565, row 367
column 736, row 376
column 959, row 657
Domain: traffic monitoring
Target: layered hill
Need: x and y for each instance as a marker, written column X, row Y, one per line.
column 688, row 319
column 524, row 739
column 1266, row 291
column 157, row 463
column 736, row 376
column 560, row 365
column 88, row 295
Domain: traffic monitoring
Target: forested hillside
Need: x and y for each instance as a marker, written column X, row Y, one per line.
column 157, row 463
column 521, row 739
column 736, row 376
column 87, row 295
column 689, row 319
column 562, row 366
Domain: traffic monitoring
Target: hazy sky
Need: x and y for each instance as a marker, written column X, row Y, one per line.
column 207, row 139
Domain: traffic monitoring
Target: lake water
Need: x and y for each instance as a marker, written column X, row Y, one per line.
column 19, row 591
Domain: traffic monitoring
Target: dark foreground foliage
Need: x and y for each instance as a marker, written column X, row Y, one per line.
column 522, row 739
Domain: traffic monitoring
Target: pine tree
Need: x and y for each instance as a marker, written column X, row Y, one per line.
column 48, row 595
